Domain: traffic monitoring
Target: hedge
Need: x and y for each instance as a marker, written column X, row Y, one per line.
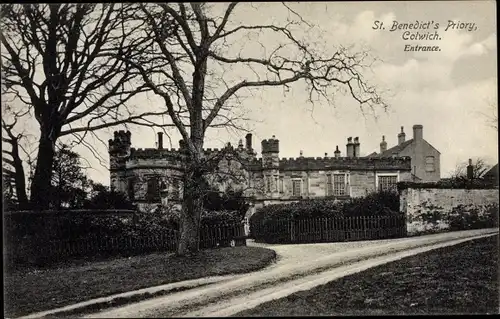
column 459, row 183
column 36, row 229
column 374, row 204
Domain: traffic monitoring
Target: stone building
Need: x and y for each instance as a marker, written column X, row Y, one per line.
column 425, row 158
column 154, row 175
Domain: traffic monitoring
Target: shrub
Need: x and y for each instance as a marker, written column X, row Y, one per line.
column 463, row 218
column 104, row 198
column 375, row 204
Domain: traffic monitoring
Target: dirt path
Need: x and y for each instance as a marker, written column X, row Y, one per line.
column 298, row 267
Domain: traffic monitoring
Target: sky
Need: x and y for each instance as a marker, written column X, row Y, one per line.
column 450, row 92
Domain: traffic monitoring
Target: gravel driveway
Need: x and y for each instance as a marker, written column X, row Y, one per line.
column 296, row 265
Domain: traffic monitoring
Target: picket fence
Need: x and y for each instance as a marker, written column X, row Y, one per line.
column 328, row 229
column 32, row 250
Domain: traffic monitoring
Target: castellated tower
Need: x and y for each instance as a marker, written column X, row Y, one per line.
column 119, row 150
column 270, row 166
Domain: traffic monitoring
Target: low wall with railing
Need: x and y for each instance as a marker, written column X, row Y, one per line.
column 46, row 237
column 329, row 229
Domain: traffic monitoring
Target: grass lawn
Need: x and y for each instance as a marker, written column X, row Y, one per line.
column 32, row 290
column 461, row 279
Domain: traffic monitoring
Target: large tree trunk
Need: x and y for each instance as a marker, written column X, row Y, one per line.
column 41, row 190
column 192, row 207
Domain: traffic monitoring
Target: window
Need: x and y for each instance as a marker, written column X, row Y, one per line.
column 131, row 188
column 329, row 185
column 296, row 187
column 281, row 185
column 386, row 183
column 429, row 164
column 153, row 191
column 339, row 184
column 268, row 184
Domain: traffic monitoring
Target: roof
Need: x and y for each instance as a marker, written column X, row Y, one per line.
column 493, row 172
column 396, row 149
column 347, row 163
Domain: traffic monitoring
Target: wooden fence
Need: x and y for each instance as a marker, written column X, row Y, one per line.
column 330, row 229
column 33, row 250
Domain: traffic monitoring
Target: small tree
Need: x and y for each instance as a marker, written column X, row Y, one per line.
column 69, row 183
column 13, row 172
column 102, row 197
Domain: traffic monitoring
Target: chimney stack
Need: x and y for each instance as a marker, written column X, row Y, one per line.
column 356, row 147
column 248, row 138
column 383, row 145
column 350, row 147
column 160, row 140
column 337, row 152
column 401, row 137
column 470, row 170
column 418, row 132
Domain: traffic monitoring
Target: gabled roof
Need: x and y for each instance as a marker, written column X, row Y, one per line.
column 392, row 150
column 397, row 149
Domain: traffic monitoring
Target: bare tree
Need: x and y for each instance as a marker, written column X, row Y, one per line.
column 13, row 170
column 201, row 88
column 479, row 168
column 55, row 60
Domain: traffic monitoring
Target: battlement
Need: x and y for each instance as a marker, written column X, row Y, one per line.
column 146, row 153
column 165, row 152
column 271, row 145
column 120, row 143
column 354, row 163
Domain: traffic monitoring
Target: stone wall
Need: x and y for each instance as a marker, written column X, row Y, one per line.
column 428, row 209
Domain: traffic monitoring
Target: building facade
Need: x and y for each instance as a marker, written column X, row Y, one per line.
column 425, row 158
column 153, row 176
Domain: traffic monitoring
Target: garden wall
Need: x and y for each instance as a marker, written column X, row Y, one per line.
column 434, row 209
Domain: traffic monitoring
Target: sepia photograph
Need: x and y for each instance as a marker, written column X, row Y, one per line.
column 250, row 159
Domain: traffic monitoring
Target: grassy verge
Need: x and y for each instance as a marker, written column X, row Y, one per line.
column 461, row 279
column 32, row 290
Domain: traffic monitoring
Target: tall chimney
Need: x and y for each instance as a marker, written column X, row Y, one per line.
column 383, row 145
column 248, row 138
column 418, row 134
column 350, row 147
column 337, row 152
column 401, row 137
column 160, row 140
column 470, row 170
column 356, row 147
